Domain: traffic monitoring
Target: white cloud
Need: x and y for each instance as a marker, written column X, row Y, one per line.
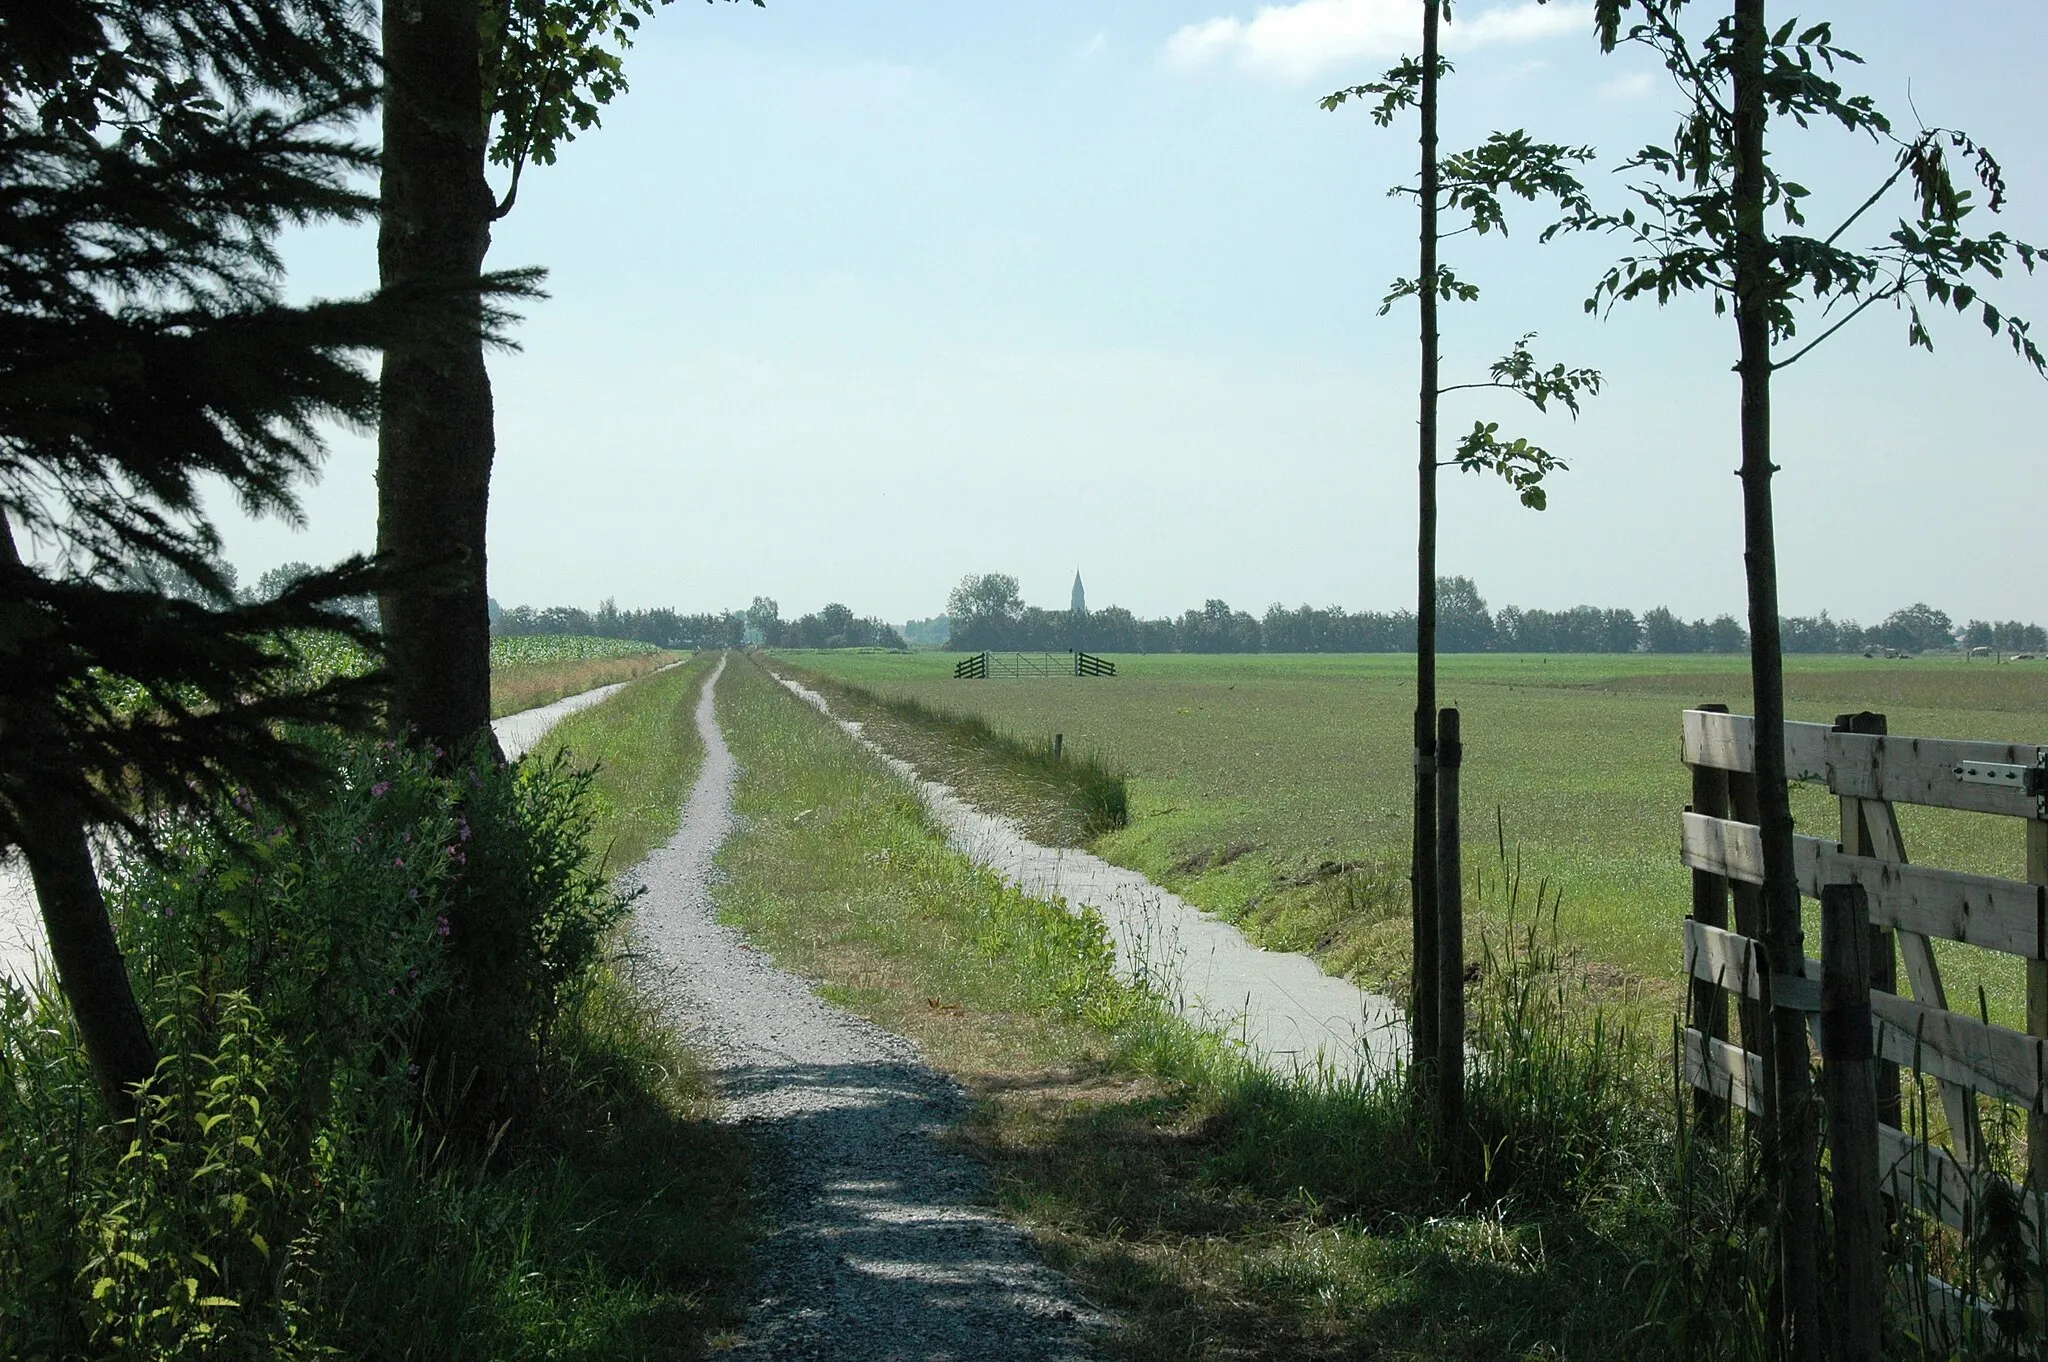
column 1300, row 40
column 1094, row 46
column 1632, row 86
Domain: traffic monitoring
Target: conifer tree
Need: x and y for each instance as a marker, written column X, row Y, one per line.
column 150, row 153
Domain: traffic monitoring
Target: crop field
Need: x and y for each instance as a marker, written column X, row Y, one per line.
column 538, row 669
column 1256, row 779
column 528, row 650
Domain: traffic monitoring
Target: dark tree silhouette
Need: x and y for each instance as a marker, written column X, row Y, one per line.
column 149, row 154
column 468, row 82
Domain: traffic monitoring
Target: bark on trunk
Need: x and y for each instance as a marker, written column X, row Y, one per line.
column 90, row 967
column 435, row 438
column 1794, row 1117
column 1423, row 999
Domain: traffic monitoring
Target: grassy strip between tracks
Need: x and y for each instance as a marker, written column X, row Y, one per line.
column 1219, row 1213
column 644, row 744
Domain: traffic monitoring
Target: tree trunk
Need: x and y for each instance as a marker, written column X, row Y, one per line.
column 1792, row 1088
column 435, row 439
column 90, row 967
column 1422, row 1007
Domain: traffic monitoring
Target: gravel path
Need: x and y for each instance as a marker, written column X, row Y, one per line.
column 882, row 1248
column 1279, row 1005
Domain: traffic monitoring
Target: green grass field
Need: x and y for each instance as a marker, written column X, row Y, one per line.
column 1249, row 772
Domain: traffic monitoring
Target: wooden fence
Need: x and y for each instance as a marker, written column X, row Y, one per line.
column 986, row 665
column 1909, row 907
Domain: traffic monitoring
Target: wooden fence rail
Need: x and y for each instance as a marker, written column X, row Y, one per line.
column 1908, row 906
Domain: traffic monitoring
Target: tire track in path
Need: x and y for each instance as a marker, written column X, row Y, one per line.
column 881, row 1246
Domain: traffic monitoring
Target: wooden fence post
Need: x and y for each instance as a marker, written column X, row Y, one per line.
column 1749, row 921
column 1884, row 951
column 2037, row 1011
column 2037, row 1025
column 1710, row 908
column 1450, row 941
column 1850, row 1076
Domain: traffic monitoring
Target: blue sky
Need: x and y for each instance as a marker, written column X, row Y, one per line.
column 851, row 299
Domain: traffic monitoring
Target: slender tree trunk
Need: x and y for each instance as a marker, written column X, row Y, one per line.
column 435, row 437
column 1422, row 1008
column 1794, row 1117
column 90, row 967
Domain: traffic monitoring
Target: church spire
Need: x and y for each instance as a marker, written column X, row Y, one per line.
column 1080, row 606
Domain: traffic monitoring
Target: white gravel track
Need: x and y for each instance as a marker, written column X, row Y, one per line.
column 882, row 1247
column 1278, row 1005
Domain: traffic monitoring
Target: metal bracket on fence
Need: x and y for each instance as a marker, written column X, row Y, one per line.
column 2029, row 777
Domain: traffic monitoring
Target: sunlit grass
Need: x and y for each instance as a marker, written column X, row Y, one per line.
column 1260, row 786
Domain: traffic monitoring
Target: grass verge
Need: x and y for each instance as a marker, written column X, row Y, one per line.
column 617, row 1224
column 1221, row 1212
column 1064, row 797
column 1249, row 774
column 517, row 686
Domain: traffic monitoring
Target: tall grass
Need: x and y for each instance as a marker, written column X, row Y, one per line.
column 523, row 685
column 278, row 1195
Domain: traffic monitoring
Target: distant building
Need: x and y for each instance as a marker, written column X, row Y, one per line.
column 1080, row 615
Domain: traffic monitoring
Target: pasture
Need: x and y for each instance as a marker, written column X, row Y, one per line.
column 1261, row 782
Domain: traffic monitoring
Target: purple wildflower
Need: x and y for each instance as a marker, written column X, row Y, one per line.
column 380, row 789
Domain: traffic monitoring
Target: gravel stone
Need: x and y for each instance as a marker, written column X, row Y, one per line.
column 882, row 1246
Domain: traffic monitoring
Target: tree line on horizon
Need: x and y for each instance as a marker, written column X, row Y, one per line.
column 760, row 624
column 986, row 612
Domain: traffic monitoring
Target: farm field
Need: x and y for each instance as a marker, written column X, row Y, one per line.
column 1258, row 781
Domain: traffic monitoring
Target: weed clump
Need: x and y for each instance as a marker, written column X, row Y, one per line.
column 285, row 1189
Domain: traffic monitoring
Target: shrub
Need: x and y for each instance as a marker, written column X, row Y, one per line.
column 291, row 971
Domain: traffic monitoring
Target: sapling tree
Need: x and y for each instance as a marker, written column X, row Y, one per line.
column 1704, row 225
column 468, row 83
column 1473, row 188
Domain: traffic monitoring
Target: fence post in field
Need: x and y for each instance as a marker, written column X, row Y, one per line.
column 1850, row 1075
column 1884, row 953
column 1710, row 906
column 2037, row 1009
column 1754, row 1010
column 1450, row 940
column 2037, row 1026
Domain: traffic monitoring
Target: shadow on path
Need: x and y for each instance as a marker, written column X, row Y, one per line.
column 882, row 1247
